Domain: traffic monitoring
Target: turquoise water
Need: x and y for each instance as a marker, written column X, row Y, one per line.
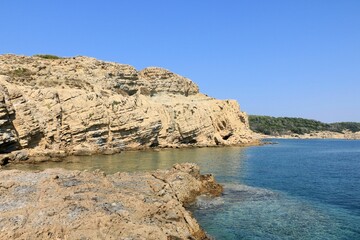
column 296, row 189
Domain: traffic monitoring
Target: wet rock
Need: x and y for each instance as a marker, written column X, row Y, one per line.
column 21, row 155
column 5, row 159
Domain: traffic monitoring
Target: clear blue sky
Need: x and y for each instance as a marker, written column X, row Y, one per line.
column 280, row 57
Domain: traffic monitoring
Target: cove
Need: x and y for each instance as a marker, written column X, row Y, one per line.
column 296, row 189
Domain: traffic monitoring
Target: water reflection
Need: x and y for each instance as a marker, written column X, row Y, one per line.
column 214, row 160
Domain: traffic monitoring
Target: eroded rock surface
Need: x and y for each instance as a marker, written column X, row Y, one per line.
column 60, row 204
column 82, row 105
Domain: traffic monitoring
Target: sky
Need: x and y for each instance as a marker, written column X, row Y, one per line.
column 297, row 58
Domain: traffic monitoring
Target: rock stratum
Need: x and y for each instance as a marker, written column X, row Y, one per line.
column 61, row 204
column 81, row 105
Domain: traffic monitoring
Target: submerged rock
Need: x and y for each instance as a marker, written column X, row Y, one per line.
column 61, row 204
column 83, row 106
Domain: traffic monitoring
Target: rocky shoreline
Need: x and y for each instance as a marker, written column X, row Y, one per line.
column 348, row 135
column 53, row 108
column 61, row 204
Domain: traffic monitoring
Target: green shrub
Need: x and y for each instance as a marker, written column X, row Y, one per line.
column 20, row 72
column 47, row 56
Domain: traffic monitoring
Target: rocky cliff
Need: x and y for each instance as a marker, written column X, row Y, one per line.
column 81, row 105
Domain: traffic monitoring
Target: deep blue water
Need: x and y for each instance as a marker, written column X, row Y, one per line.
column 296, row 189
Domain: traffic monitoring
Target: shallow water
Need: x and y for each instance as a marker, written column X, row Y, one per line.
column 297, row 189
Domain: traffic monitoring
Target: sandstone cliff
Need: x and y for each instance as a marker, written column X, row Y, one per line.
column 81, row 105
column 60, row 204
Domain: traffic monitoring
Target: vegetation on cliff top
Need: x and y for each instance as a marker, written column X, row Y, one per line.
column 47, row 56
column 285, row 125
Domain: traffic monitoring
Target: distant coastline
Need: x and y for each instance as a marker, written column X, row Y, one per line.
column 314, row 135
column 300, row 128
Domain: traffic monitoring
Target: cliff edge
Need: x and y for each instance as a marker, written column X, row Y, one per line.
column 81, row 105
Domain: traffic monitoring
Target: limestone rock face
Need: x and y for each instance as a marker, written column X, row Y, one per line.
column 81, row 105
column 60, row 204
column 162, row 80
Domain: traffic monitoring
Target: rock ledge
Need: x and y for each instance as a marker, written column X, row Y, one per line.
column 60, row 204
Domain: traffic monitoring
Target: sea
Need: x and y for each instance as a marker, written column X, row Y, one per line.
column 292, row 189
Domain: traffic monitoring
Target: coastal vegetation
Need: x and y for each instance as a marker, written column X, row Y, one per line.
column 47, row 56
column 286, row 125
column 19, row 72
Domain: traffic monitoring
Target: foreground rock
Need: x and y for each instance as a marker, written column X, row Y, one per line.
column 60, row 204
column 80, row 105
